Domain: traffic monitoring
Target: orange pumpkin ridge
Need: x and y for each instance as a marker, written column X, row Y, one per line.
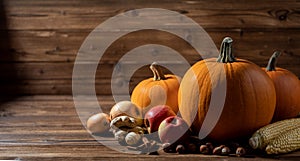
column 287, row 88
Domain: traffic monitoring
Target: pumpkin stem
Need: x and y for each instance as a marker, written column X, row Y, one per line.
column 272, row 61
column 157, row 73
column 226, row 55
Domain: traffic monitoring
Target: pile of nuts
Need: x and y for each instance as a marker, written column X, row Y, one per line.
column 208, row 148
column 127, row 125
column 197, row 146
column 193, row 145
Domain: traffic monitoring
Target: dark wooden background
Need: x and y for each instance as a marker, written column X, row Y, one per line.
column 40, row 39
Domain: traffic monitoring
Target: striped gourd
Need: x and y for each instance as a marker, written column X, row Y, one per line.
column 262, row 137
column 285, row 142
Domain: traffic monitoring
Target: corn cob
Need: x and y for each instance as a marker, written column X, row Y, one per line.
column 262, row 137
column 285, row 142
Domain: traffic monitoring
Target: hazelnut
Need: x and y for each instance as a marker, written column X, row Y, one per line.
column 204, row 149
column 167, row 147
column 210, row 146
column 240, row 151
column 217, row 150
column 180, row 149
column 225, row 150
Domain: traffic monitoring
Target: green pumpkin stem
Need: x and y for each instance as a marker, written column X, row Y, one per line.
column 226, row 55
column 272, row 61
column 157, row 73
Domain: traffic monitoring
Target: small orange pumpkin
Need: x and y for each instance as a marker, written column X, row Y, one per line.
column 159, row 90
column 249, row 96
column 287, row 88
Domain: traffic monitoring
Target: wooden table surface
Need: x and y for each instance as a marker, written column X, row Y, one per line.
column 48, row 128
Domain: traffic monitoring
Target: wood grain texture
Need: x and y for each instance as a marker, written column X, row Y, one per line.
column 41, row 15
column 51, row 85
column 48, row 128
column 43, row 38
column 63, row 46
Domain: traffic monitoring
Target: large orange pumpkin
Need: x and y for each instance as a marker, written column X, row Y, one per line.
column 287, row 88
column 159, row 90
column 249, row 99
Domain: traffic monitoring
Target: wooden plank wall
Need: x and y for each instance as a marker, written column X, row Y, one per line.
column 40, row 39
